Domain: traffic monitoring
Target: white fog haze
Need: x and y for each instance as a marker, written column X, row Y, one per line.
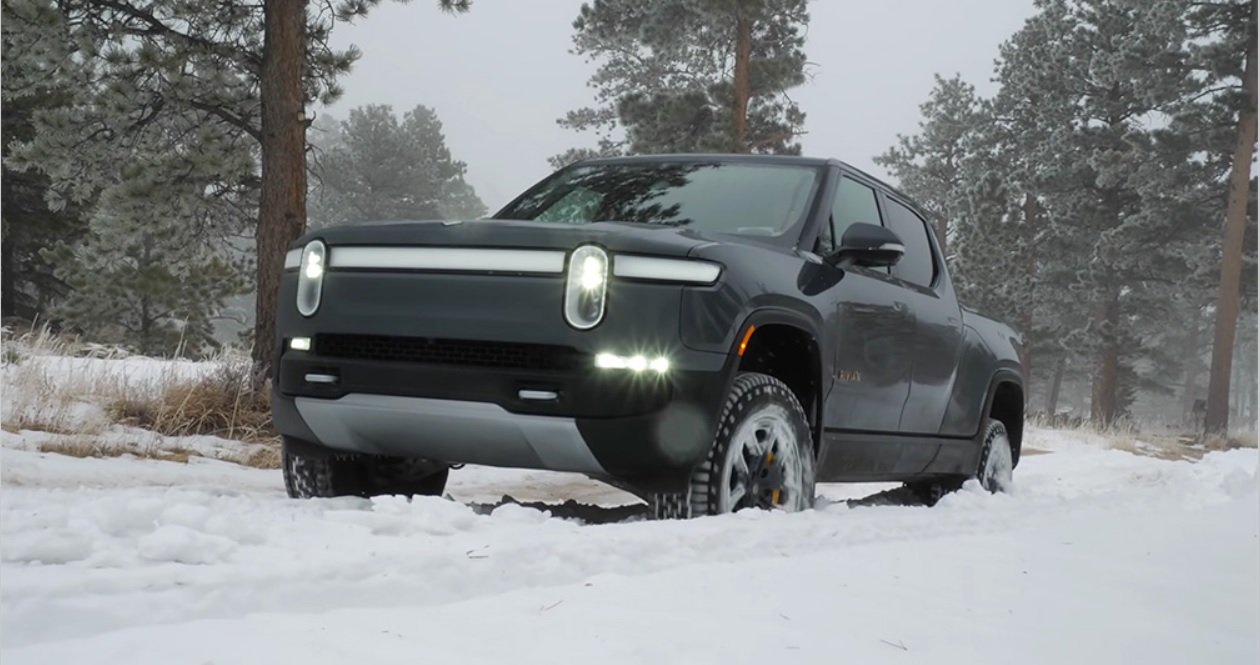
column 285, row 378
column 500, row 75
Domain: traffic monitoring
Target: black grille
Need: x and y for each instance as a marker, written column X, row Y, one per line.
column 468, row 353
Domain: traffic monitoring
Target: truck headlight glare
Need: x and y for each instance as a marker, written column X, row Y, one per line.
column 592, row 273
column 311, row 277
column 586, row 287
column 314, row 266
column 635, row 363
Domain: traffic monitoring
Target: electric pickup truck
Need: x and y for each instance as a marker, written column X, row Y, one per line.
column 708, row 332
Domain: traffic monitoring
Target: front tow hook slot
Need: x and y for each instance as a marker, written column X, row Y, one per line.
column 321, row 378
column 538, row 395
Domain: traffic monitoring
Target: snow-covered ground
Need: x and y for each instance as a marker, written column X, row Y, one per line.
column 1100, row 556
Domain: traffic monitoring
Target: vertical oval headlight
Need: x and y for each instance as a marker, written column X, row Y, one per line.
column 311, row 277
column 586, row 287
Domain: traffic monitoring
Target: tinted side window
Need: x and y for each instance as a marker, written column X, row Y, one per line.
column 854, row 203
column 917, row 266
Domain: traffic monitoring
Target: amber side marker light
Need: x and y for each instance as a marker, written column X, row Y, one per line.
column 743, row 345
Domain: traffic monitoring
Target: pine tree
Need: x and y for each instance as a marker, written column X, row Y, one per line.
column 374, row 167
column 230, row 70
column 27, row 225
column 1111, row 63
column 154, row 272
column 928, row 165
column 1229, row 60
column 989, row 248
column 691, row 76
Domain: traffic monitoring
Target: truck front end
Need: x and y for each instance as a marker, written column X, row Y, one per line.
column 529, row 357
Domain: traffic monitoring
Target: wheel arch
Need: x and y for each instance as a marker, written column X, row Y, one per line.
column 1005, row 403
column 774, row 341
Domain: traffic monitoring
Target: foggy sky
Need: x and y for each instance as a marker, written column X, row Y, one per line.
column 500, row 75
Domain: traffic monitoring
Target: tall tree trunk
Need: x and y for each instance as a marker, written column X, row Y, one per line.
column 8, row 289
column 282, row 213
column 1052, row 398
column 1030, row 273
column 942, row 232
column 1105, row 396
column 1217, row 417
column 743, row 59
column 1191, row 371
column 1103, row 405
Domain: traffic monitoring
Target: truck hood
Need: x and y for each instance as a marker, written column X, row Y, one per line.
column 518, row 234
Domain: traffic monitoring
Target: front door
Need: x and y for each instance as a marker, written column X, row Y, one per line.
column 873, row 331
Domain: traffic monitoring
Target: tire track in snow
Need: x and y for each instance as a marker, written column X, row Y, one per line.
column 174, row 554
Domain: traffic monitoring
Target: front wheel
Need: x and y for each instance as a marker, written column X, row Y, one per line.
column 308, row 476
column 762, row 456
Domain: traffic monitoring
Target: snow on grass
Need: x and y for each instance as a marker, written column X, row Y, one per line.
column 1098, row 556
column 56, row 401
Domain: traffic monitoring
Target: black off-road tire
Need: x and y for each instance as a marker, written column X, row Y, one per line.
column 753, row 399
column 997, row 465
column 350, row 474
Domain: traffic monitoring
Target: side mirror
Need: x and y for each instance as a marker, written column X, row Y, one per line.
column 869, row 246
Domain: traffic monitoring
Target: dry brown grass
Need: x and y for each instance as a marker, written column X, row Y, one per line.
column 80, row 447
column 222, row 403
column 34, row 401
column 84, row 447
column 266, row 456
column 1165, row 450
column 1164, row 443
column 48, row 387
column 1172, row 447
column 1232, row 442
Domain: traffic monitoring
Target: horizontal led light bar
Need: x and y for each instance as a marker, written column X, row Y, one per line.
column 666, row 270
column 300, row 344
column 457, row 259
column 660, row 365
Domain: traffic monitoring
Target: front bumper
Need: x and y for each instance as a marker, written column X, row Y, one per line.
column 600, row 422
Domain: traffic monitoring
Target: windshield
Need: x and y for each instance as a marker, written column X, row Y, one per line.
column 734, row 198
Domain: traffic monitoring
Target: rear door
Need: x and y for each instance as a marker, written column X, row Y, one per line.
column 937, row 339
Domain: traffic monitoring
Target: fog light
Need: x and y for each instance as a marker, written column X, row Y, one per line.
column 300, row 344
column 609, row 361
column 660, row 365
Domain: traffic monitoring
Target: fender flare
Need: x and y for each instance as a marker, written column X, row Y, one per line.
column 790, row 317
column 1000, row 375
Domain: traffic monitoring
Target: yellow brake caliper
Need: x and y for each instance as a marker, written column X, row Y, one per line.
column 774, row 494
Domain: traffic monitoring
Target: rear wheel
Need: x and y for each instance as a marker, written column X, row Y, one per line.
column 308, row 476
column 762, row 456
column 994, row 472
column 997, row 466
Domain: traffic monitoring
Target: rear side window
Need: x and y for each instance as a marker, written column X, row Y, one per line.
column 917, row 266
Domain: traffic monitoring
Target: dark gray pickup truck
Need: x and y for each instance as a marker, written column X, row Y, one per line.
column 709, row 332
